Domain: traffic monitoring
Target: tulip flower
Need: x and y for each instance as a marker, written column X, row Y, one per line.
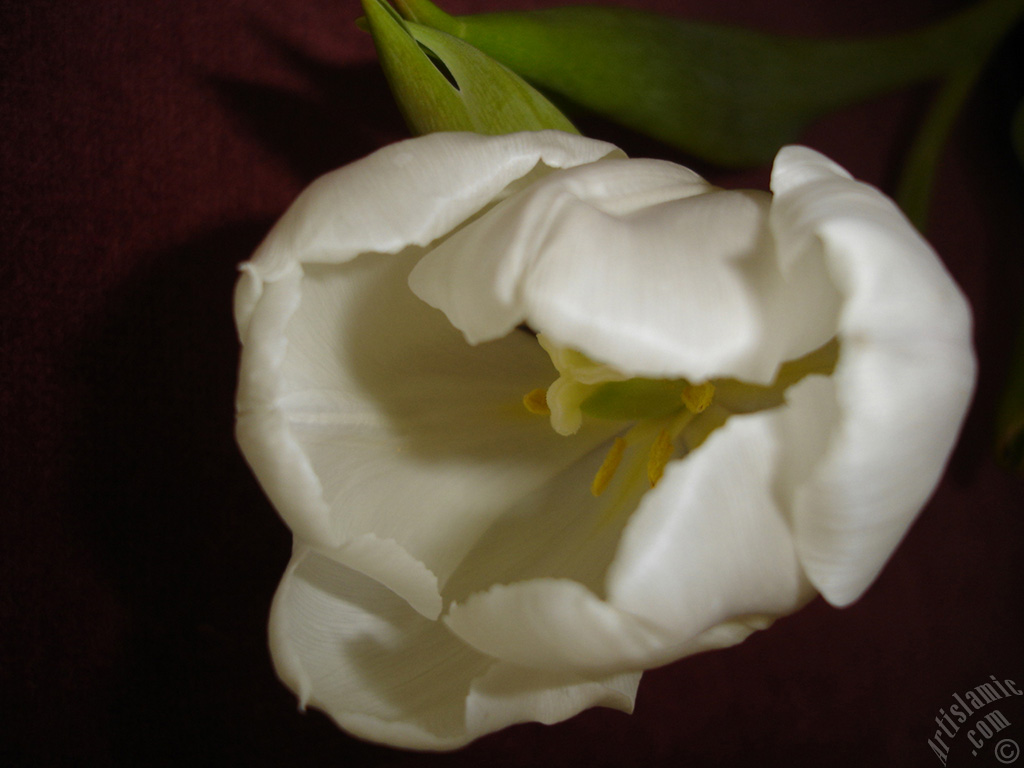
column 541, row 417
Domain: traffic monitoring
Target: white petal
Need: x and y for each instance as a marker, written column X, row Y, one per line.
column 411, row 434
column 707, row 558
column 347, row 645
column 680, row 282
column 902, row 384
column 709, row 544
column 350, row 647
column 509, row 694
column 344, row 373
column 411, row 193
column 557, row 624
column 559, row 531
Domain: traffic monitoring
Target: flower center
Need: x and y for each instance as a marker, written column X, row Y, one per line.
column 666, row 415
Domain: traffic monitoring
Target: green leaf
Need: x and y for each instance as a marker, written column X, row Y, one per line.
column 443, row 84
column 732, row 96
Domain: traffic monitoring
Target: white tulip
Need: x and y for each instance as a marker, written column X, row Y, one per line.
column 751, row 396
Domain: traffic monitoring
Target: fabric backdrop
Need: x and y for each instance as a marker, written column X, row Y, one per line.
column 147, row 146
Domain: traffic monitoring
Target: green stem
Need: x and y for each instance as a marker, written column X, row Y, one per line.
column 915, row 186
column 946, row 47
column 916, row 182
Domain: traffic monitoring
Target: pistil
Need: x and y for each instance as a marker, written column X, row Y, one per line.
column 662, row 412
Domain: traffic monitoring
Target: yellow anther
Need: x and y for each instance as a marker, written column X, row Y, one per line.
column 608, row 466
column 661, row 452
column 536, row 401
column 697, row 397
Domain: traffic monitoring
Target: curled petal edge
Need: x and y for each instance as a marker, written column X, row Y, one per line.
column 903, row 382
column 481, row 695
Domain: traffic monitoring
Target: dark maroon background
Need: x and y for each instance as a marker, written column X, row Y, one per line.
column 147, row 146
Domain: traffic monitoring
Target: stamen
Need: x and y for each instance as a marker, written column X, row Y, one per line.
column 661, row 452
column 536, row 401
column 697, row 397
column 608, row 466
